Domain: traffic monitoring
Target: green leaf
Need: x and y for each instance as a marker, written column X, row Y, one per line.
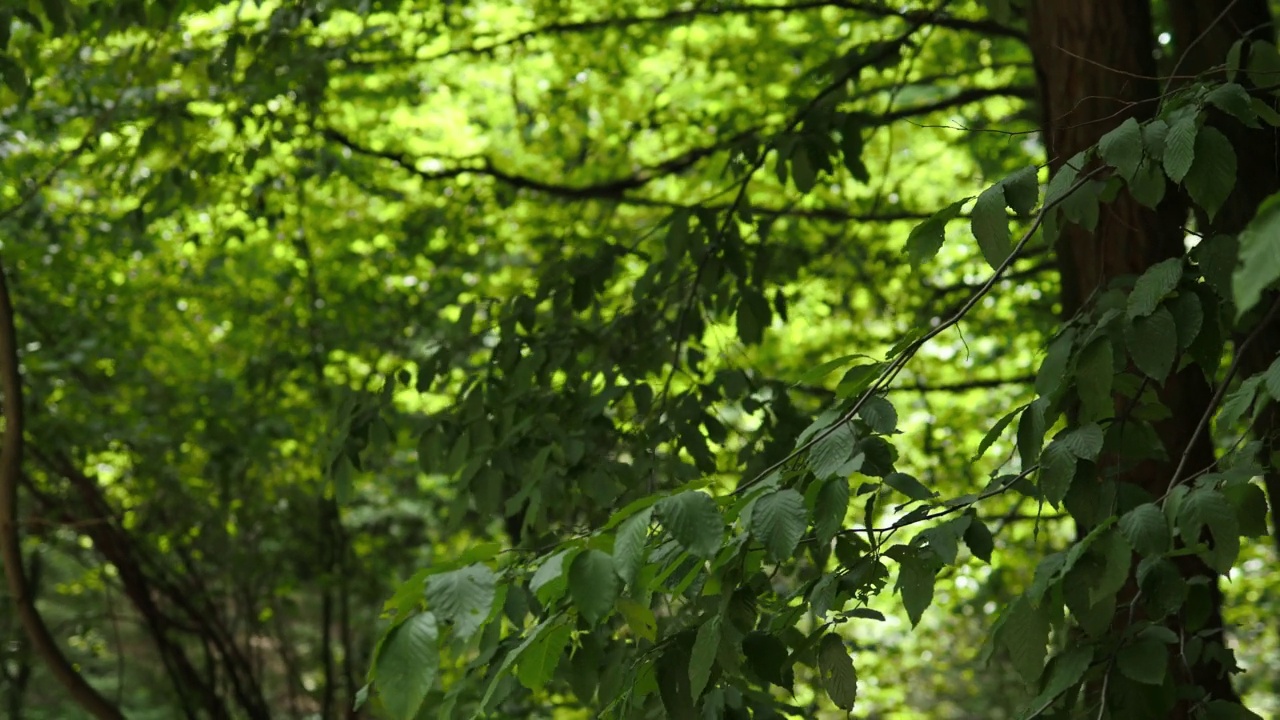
column 639, row 618
column 463, row 597
column 908, row 486
column 1232, row 99
column 1148, row 183
column 538, row 662
column 1054, row 367
column 916, row 577
column 767, row 657
column 1144, row 660
column 1117, row 558
column 1153, row 344
column 1024, row 634
column 1207, row 508
column 405, row 669
column 1188, row 315
column 1084, row 442
column 1057, row 468
column 703, row 657
column 593, row 585
column 629, row 545
column 694, row 521
column 778, row 521
column 828, row 456
column 1271, row 379
column 754, row 315
column 1258, row 267
column 548, row 582
column 1238, row 402
column 1147, row 529
column 1066, row 671
column 926, row 238
column 1251, row 508
column 1095, row 373
column 979, row 540
column 1122, row 148
column 879, row 414
column 830, row 510
column 1213, row 174
column 944, row 539
column 1031, row 431
column 994, row 433
column 839, row 678
column 990, row 225
column 1022, row 190
column 1264, row 64
column 1180, row 146
column 1153, row 286
column 858, row 378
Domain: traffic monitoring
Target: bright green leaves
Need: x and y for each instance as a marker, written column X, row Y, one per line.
column 539, row 660
column 778, row 521
column 1122, row 148
column 694, row 521
column 1024, row 635
column 593, row 585
column 1259, row 260
column 1213, row 173
column 926, row 238
column 1147, row 529
column 405, row 667
column 835, row 667
column 463, row 598
column 990, row 222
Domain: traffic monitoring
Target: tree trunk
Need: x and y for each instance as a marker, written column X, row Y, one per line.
column 1096, row 66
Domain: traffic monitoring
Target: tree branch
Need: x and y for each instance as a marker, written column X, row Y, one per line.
column 42, row 640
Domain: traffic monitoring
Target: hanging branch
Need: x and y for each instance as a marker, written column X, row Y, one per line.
column 10, row 543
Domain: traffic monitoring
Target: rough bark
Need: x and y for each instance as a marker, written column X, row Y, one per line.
column 1096, row 66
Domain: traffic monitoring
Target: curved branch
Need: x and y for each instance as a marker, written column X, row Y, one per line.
column 10, row 543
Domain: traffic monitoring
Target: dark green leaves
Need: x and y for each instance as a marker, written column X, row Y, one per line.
column 778, row 521
column 1180, row 146
column 990, row 223
column 1024, row 635
column 1153, row 344
column 926, row 238
column 703, row 656
column 694, row 521
column 1144, row 660
column 1153, row 286
column 1213, row 173
column 593, row 585
column 405, row 668
column 917, row 573
column 839, row 678
column 1146, row 529
column 1122, row 148
column 1202, row 510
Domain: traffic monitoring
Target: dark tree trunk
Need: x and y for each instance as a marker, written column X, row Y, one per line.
column 1096, row 66
column 1204, row 31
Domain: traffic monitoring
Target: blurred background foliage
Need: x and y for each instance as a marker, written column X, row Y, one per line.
column 312, row 295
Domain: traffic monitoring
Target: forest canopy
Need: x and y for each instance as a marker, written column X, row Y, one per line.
column 700, row 360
